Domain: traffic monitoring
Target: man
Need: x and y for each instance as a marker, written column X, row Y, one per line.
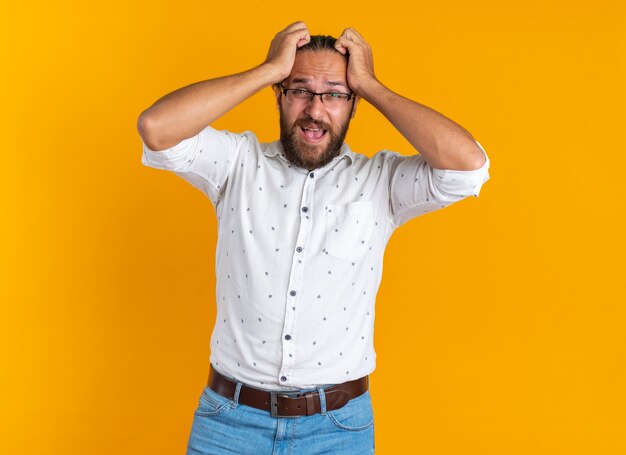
column 302, row 227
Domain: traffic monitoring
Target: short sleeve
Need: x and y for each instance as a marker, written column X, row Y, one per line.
column 204, row 160
column 416, row 188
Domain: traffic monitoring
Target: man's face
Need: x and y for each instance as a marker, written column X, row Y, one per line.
column 310, row 131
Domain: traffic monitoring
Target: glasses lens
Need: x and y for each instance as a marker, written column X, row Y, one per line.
column 332, row 99
column 297, row 95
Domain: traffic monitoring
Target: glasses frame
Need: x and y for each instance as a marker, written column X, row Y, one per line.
column 313, row 94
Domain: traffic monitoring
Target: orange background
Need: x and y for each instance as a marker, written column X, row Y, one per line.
column 500, row 320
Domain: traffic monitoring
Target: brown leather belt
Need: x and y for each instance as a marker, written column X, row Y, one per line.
column 285, row 404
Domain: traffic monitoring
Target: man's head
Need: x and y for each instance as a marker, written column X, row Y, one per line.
column 311, row 130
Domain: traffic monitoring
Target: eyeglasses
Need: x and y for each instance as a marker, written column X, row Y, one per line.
column 330, row 99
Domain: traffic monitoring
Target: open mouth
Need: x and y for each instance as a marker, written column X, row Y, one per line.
column 313, row 133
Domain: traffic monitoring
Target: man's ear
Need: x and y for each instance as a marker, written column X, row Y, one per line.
column 354, row 104
column 277, row 94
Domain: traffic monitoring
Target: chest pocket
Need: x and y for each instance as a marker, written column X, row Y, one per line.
column 349, row 229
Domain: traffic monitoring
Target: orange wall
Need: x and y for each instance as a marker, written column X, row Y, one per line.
column 500, row 320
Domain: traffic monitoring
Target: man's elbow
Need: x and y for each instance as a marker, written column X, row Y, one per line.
column 478, row 161
column 146, row 128
column 474, row 158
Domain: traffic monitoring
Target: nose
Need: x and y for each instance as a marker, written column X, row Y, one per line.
column 315, row 108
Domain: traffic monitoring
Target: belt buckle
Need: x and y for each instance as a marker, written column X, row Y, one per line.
column 274, row 405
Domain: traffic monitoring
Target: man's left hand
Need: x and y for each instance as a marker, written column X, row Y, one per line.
column 361, row 62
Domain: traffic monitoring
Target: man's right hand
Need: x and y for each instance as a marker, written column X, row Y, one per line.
column 283, row 47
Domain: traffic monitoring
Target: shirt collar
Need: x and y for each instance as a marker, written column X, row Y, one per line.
column 276, row 148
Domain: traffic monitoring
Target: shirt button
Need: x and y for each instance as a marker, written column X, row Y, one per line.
column 287, row 337
column 292, row 293
column 311, row 175
column 283, row 378
column 299, row 249
column 305, row 209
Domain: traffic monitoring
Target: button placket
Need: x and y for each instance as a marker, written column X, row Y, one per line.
column 290, row 333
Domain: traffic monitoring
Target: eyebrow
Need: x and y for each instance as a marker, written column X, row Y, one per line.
column 305, row 80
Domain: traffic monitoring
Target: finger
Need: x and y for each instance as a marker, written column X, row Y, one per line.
column 351, row 36
column 354, row 34
column 340, row 47
column 300, row 33
column 301, row 36
column 296, row 27
column 288, row 39
column 303, row 41
column 347, row 34
column 343, row 45
column 299, row 25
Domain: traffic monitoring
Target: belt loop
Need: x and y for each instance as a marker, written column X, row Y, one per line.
column 322, row 400
column 236, row 397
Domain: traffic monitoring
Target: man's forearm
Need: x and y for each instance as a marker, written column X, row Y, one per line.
column 443, row 143
column 188, row 110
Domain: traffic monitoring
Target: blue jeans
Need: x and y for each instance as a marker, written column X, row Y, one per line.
column 223, row 426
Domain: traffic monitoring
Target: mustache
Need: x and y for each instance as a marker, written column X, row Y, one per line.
column 308, row 122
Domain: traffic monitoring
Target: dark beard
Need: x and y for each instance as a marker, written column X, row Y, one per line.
column 303, row 155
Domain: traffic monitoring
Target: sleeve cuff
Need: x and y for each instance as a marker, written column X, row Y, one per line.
column 171, row 158
column 464, row 183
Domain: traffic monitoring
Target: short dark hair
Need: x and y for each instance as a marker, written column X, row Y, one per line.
column 319, row 43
